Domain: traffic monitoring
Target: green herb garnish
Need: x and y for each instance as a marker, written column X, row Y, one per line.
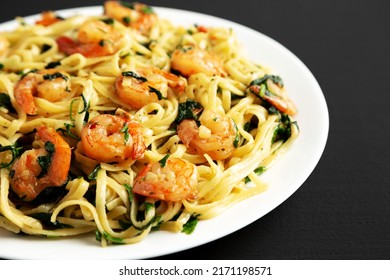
column 157, row 92
column 28, row 72
column 134, row 75
column 188, row 110
column 190, row 225
column 67, row 131
column 127, row 4
column 148, row 206
column 113, row 240
column 147, row 10
column 44, row 218
column 94, row 173
column 45, row 48
column 258, row 171
column 163, row 161
column 237, row 138
column 260, row 87
column 263, row 80
column 126, row 20
column 14, row 151
column 55, row 75
column 108, row 237
column 52, row 65
column 129, row 192
column 154, row 220
column 86, row 108
column 125, row 131
column 5, row 101
column 45, row 161
column 108, row 21
column 283, row 130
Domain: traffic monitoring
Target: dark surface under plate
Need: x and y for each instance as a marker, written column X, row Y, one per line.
column 342, row 211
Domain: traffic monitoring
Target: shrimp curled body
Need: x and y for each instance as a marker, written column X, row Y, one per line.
column 146, row 85
column 113, row 138
column 173, row 181
column 276, row 96
column 94, row 39
column 51, row 84
column 134, row 15
column 29, row 178
column 215, row 136
column 191, row 59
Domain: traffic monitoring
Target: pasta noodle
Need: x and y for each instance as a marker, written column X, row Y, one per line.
column 123, row 123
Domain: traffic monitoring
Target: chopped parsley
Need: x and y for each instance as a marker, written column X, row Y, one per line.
column 148, row 206
column 125, row 131
column 28, row 72
column 67, row 131
column 126, row 20
column 283, row 130
column 86, row 108
column 134, row 75
column 45, row 48
column 147, row 10
column 129, row 192
column 108, row 21
column 55, row 75
column 5, row 101
column 156, row 220
column 163, row 161
column 108, row 237
column 127, row 4
column 188, row 110
column 94, row 173
column 191, row 224
column 237, row 138
column 15, row 151
column 260, row 87
column 157, row 92
column 52, row 64
column 263, row 80
column 44, row 218
column 258, row 171
column 45, row 161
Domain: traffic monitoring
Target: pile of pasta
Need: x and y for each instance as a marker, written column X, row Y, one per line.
column 123, row 123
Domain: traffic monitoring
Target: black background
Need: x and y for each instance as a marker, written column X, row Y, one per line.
column 342, row 211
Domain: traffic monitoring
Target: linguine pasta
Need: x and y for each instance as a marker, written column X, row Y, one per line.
column 122, row 123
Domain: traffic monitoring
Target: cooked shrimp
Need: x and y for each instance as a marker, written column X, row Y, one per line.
column 191, row 59
column 48, row 18
column 146, row 85
column 40, row 168
column 50, row 84
column 113, row 138
column 174, row 180
column 4, row 45
column 136, row 15
column 95, row 38
column 272, row 91
column 215, row 136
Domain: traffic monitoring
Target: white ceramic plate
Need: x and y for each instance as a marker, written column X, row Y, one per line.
column 295, row 166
